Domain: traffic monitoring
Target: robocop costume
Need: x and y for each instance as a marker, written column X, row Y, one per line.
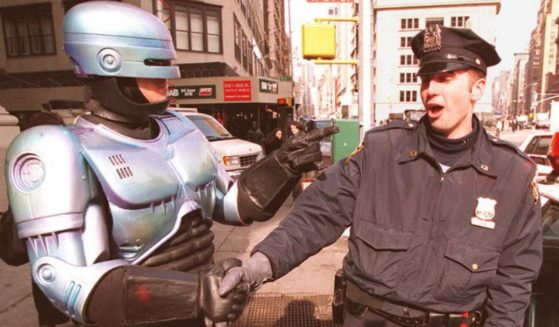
column 132, row 186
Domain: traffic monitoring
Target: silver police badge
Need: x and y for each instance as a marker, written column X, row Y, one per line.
column 432, row 40
column 485, row 212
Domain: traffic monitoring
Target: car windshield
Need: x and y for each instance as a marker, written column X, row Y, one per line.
column 211, row 128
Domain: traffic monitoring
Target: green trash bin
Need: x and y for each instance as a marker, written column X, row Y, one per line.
column 346, row 140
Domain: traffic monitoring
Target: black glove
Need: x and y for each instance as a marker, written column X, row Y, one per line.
column 264, row 186
column 218, row 308
column 255, row 271
column 301, row 152
column 299, row 155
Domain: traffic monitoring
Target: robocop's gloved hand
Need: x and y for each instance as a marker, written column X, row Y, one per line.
column 299, row 155
column 264, row 186
column 255, row 271
column 218, row 308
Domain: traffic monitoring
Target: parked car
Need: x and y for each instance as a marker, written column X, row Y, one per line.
column 536, row 146
column 542, row 121
column 544, row 306
column 235, row 154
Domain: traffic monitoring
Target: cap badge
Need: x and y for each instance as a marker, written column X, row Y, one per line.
column 485, row 212
column 432, row 38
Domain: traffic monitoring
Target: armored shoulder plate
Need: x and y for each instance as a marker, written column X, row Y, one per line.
column 49, row 184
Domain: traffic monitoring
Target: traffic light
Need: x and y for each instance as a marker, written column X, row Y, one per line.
column 287, row 101
column 319, row 41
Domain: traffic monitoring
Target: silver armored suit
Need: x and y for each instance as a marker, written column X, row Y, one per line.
column 87, row 200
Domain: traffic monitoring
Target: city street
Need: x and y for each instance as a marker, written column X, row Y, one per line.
column 310, row 284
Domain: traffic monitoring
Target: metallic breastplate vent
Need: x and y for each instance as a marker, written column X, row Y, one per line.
column 190, row 249
column 118, row 160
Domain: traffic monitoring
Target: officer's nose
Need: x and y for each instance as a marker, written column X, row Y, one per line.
column 429, row 87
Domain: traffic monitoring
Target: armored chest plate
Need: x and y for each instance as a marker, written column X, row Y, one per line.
column 150, row 185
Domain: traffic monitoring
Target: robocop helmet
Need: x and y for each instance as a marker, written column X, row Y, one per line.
column 111, row 44
column 107, row 38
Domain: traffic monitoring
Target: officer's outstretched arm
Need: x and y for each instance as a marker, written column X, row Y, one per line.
column 263, row 187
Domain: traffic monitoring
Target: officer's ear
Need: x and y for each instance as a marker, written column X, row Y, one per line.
column 477, row 89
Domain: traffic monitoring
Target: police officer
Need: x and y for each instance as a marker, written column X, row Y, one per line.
column 445, row 218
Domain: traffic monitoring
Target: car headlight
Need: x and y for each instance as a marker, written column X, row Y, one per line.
column 231, row 161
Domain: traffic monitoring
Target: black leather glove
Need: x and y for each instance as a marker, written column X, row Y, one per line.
column 255, row 271
column 265, row 185
column 299, row 155
column 219, row 308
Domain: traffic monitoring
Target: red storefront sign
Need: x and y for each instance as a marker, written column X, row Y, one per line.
column 237, row 90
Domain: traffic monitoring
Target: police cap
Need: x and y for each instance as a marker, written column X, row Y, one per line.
column 443, row 49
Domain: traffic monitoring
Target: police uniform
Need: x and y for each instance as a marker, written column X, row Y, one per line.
column 428, row 246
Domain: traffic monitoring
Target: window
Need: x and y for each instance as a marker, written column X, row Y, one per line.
column 459, row 21
column 244, row 42
column 409, row 23
column 405, row 41
column 195, row 26
column 237, row 32
column 28, row 30
column 408, row 60
column 408, row 96
column 434, row 21
column 408, row 78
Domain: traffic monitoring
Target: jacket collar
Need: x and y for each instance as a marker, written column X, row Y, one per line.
column 480, row 158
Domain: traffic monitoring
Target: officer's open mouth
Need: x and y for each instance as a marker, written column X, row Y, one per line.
column 434, row 108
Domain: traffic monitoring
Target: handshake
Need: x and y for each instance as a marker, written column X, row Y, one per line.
column 225, row 287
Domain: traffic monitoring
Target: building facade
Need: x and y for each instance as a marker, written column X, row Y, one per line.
column 518, row 96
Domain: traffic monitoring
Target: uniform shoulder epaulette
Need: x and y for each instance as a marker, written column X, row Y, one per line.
column 397, row 124
column 499, row 142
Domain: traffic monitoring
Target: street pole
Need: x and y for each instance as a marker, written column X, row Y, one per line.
column 364, row 71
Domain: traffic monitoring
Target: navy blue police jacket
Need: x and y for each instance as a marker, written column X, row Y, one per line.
column 442, row 241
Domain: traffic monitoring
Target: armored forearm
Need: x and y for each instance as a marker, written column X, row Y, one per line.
column 133, row 295
column 263, row 188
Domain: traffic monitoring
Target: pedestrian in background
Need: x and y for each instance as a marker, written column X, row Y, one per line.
column 500, row 126
column 255, row 134
column 44, row 118
column 445, row 219
column 296, row 129
column 273, row 141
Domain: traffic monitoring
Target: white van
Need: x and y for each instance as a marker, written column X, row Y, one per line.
column 235, row 154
